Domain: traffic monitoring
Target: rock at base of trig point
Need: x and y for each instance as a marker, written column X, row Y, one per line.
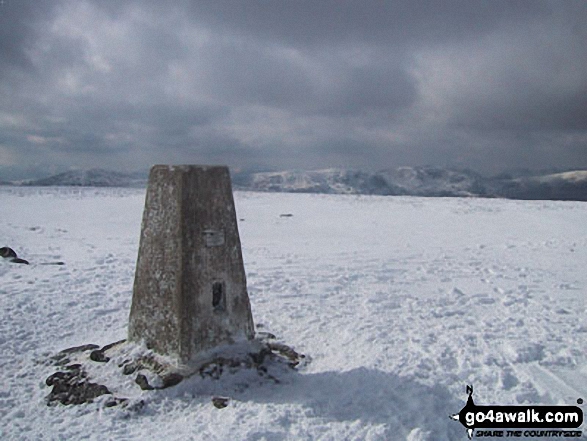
column 190, row 291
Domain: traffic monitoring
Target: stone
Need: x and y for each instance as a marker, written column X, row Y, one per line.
column 63, row 357
column 189, row 292
column 99, row 356
column 143, row 383
column 81, row 348
column 171, row 379
column 287, row 352
column 130, row 368
column 10, row 254
column 72, row 387
column 263, row 335
column 220, row 402
column 111, row 345
column 7, row 253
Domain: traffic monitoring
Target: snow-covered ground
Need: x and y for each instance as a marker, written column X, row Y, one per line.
column 399, row 301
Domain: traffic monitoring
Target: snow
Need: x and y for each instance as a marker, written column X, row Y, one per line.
column 399, row 301
column 572, row 176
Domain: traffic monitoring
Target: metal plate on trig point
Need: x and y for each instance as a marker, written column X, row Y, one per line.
column 213, row 238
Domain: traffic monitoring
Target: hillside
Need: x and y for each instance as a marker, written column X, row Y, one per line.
column 420, row 181
column 401, row 181
column 570, row 186
column 92, row 178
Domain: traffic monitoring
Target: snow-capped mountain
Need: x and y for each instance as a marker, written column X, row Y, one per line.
column 403, row 181
column 92, row 178
column 418, row 181
column 571, row 186
column 334, row 181
column 432, row 181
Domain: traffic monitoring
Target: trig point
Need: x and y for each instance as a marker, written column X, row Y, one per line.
column 190, row 291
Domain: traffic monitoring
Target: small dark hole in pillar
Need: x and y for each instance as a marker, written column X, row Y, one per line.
column 218, row 296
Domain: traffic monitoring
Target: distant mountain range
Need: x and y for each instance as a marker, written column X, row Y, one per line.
column 412, row 181
column 421, row 181
column 415, row 181
column 92, row 178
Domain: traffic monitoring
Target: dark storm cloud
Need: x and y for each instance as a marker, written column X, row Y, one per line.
column 19, row 29
column 344, row 22
column 533, row 78
column 255, row 75
column 302, row 83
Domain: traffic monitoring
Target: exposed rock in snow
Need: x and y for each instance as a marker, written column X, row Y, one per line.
column 79, row 367
column 10, row 255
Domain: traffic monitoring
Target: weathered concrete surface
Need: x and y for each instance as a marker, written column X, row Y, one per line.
column 190, row 290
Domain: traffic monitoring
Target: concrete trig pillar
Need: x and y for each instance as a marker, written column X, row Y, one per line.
column 190, row 291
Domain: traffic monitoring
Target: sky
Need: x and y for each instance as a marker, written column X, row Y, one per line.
column 292, row 84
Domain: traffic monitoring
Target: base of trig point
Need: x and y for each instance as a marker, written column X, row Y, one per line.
column 190, row 292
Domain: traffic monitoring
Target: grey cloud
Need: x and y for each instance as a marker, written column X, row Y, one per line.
column 525, row 82
column 21, row 25
column 536, row 111
column 300, row 83
column 259, row 75
column 253, row 75
column 336, row 22
column 376, row 88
